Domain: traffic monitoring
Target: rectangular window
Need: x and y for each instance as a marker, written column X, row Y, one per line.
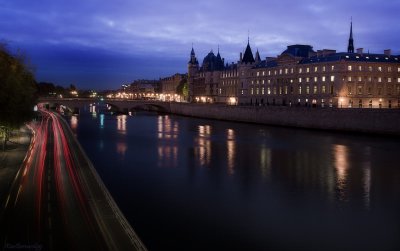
column 360, row 68
column 301, row 70
column 332, row 68
column 308, row 69
column 359, row 79
column 349, row 79
column 349, row 67
column 359, row 90
column 291, row 70
column 369, row 68
column 332, row 89
column 280, row 71
column 379, row 79
column 300, row 89
column 369, row 79
column 323, row 89
column 286, row 89
column 323, row 78
column 286, row 71
column 269, row 90
column 299, row 80
column 390, row 80
column 398, row 80
column 332, row 78
column 280, row 90
column 380, row 68
column 315, row 79
column 315, row 68
column 307, row 80
column 307, row 89
column 263, row 81
column 269, row 73
column 269, row 81
column 251, row 91
column 263, row 91
column 242, row 92
column 315, row 89
column 389, row 69
column 258, row 73
column 323, row 68
column 274, row 90
column 257, row 91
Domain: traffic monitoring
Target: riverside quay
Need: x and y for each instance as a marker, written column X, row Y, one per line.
column 299, row 76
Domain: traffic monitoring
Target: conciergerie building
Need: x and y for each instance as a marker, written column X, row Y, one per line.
column 299, row 76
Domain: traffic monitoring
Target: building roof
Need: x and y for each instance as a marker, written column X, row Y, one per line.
column 248, row 55
column 352, row 57
column 299, row 50
column 212, row 62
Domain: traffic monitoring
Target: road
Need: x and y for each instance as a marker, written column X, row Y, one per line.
column 58, row 202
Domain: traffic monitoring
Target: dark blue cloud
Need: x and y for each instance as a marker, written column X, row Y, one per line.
column 103, row 44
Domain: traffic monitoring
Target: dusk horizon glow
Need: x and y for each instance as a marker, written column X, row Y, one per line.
column 102, row 44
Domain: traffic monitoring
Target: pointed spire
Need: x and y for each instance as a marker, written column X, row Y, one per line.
column 248, row 54
column 258, row 58
column 350, row 47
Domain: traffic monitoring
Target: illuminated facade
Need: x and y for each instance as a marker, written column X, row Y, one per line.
column 300, row 76
column 169, row 86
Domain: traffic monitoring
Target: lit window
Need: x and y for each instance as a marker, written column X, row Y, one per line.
column 315, row 68
column 300, row 89
column 307, row 89
column 263, row 91
column 315, row 89
column 280, row 71
column 398, row 80
column 359, row 79
column 323, row 89
column 308, row 69
column 307, row 80
column 359, row 90
column 269, row 73
column 251, row 91
column 291, row 70
column 398, row 69
column 263, row 81
column 275, row 90
column 286, row 71
column 269, row 81
column 349, row 78
column 299, row 80
column 380, row 68
column 258, row 73
column 286, row 89
column 389, row 80
column 323, row 68
column 280, row 89
column 257, row 91
column 242, row 92
column 370, row 68
column 332, row 67
column 349, row 68
column 379, row 79
column 369, row 79
column 268, row 90
column 332, row 78
column 323, row 78
column 389, row 69
column 315, row 79
column 301, row 70
column 275, row 72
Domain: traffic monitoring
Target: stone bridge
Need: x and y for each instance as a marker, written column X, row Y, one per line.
column 117, row 105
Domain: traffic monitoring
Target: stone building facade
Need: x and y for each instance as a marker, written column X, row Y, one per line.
column 169, row 85
column 300, row 76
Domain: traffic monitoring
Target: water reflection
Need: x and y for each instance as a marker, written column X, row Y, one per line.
column 231, row 149
column 121, row 148
column 265, row 160
column 101, row 120
column 121, row 124
column 367, row 177
column 74, row 122
column 341, row 166
column 167, row 135
column 202, row 149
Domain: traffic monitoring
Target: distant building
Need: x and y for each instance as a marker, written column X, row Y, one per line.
column 299, row 76
column 169, row 87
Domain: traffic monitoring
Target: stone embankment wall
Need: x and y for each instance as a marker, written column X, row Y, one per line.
column 380, row 121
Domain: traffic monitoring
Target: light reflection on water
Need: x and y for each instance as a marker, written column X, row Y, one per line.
column 258, row 182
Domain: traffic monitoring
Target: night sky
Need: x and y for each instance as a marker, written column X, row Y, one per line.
column 97, row 44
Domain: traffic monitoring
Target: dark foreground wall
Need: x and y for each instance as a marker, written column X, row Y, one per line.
column 381, row 121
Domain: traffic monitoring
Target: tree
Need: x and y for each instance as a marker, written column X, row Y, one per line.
column 183, row 89
column 17, row 92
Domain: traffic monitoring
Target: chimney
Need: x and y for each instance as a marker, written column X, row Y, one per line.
column 360, row 51
column 387, row 52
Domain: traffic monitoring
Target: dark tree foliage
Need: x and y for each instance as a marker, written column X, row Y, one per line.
column 17, row 90
column 183, row 89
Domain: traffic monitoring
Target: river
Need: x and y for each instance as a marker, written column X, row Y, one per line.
column 196, row 184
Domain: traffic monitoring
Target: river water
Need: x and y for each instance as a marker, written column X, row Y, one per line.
column 195, row 184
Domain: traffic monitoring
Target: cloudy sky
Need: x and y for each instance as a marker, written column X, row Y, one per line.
column 101, row 44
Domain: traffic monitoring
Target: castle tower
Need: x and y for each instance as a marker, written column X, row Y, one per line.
column 193, row 68
column 350, row 47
